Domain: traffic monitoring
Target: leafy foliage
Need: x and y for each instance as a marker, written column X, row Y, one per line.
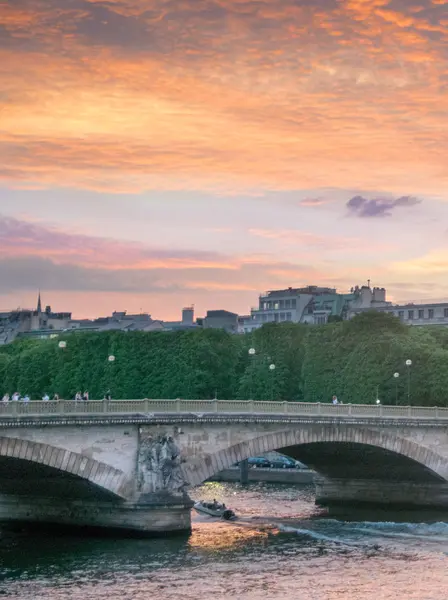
column 356, row 360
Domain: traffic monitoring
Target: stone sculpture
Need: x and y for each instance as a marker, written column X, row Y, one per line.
column 159, row 466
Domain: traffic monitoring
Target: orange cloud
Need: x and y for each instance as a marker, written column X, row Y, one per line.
column 132, row 95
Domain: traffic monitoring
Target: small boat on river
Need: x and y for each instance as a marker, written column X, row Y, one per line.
column 215, row 509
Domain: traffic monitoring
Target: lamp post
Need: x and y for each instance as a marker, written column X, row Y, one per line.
column 408, row 364
column 111, row 359
column 396, row 376
column 377, row 401
column 62, row 345
column 251, row 355
column 272, row 370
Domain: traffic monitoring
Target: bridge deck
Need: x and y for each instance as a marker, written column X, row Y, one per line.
column 220, row 407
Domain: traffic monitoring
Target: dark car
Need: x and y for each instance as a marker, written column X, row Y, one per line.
column 259, row 462
column 283, row 462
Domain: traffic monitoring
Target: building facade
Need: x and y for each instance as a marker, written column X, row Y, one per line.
column 429, row 313
column 32, row 323
column 313, row 305
column 221, row 319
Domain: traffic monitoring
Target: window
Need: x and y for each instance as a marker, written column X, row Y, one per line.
column 288, row 316
column 445, row 312
column 282, row 304
column 431, row 313
column 287, row 303
column 401, row 314
column 276, row 317
column 275, row 305
column 421, row 313
column 293, row 303
column 282, row 316
column 410, row 314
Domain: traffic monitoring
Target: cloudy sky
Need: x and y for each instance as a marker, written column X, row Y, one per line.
column 158, row 153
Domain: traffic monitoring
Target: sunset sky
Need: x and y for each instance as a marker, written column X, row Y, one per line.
column 160, row 153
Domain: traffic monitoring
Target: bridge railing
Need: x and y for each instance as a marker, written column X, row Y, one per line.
column 252, row 407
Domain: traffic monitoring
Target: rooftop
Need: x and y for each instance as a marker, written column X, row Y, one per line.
column 309, row 289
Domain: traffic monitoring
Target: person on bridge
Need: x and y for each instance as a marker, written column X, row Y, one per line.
column 45, row 397
column 26, row 398
column 16, row 396
column 335, row 400
column 5, row 399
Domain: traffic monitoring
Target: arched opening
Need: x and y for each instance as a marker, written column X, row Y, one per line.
column 30, row 468
column 20, row 477
column 351, row 460
column 336, row 452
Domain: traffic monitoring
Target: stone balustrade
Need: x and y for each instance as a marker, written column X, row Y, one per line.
column 223, row 407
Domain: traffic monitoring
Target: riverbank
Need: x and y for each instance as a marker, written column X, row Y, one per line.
column 287, row 476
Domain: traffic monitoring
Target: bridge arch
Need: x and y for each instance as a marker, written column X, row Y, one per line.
column 102, row 475
column 209, row 465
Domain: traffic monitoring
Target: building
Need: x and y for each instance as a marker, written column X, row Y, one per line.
column 313, row 305
column 186, row 323
column 118, row 321
column 32, row 323
column 221, row 319
column 426, row 313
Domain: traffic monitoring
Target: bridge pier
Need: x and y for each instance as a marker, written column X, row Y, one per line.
column 244, row 472
column 145, row 518
column 381, row 493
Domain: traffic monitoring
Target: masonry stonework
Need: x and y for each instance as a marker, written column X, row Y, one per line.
column 132, row 472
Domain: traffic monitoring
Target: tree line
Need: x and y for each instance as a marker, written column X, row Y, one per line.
column 355, row 360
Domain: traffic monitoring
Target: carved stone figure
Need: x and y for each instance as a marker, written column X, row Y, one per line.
column 159, row 465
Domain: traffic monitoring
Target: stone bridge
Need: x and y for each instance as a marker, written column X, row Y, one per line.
column 128, row 464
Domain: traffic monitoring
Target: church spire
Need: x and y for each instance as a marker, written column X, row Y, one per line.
column 39, row 304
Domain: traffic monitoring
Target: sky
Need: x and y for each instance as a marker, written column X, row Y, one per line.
column 160, row 153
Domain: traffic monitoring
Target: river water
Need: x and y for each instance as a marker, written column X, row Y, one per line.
column 281, row 548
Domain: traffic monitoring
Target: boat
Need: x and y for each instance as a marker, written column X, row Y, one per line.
column 215, row 509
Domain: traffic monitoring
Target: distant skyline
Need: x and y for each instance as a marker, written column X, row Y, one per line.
column 162, row 153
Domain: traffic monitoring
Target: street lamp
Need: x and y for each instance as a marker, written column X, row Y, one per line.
column 111, row 359
column 408, row 364
column 251, row 352
column 272, row 370
column 396, row 376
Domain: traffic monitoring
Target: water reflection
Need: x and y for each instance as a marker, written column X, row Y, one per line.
column 282, row 548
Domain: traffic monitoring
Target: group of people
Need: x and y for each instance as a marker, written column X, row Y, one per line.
column 17, row 397
column 79, row 397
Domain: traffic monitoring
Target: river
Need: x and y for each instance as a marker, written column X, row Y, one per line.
column 281, row 548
